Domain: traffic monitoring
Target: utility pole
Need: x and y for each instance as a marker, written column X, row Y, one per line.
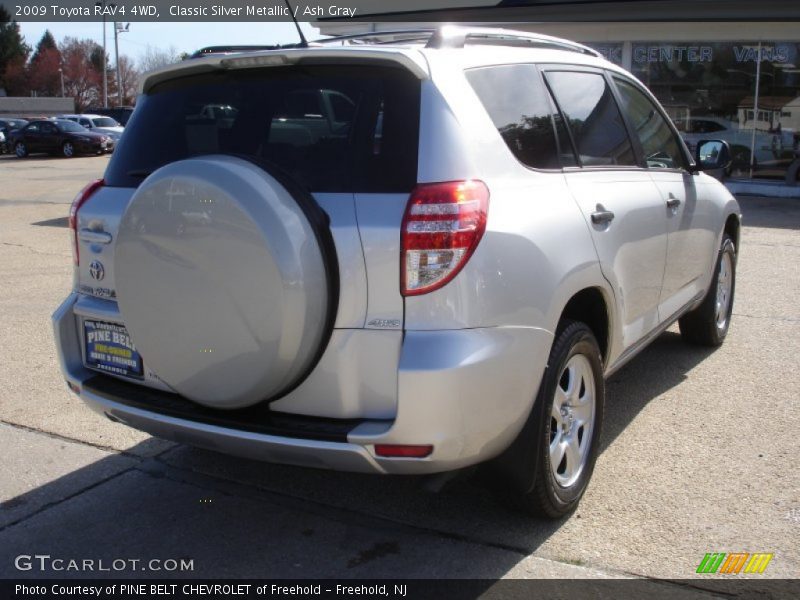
column 61, row 72
column 103, row 4
column 118, row 28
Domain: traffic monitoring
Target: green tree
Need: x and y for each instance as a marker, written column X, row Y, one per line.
column 13, row 56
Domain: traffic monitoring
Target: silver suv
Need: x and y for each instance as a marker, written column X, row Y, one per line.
column 399, row 253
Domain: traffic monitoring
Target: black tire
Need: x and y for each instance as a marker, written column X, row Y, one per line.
column 548, row 497
column 705, row 325
column 21, row 150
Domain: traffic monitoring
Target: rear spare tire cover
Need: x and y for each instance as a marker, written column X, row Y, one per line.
column 221, row 281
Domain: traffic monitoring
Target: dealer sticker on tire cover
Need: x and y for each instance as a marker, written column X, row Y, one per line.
column 109, row 347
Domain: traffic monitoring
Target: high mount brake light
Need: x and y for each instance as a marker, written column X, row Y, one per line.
column 79, row 201
column 441, row 228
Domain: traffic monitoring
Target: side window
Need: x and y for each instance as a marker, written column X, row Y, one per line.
column 659, row 143
column 32, row 128
column 593, row 117
column 519, row 107
column 49, row 128
column 86, row 123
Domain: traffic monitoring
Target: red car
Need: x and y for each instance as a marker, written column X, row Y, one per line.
column 58, row 137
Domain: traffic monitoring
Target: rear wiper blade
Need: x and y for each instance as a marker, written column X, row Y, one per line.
column 139, row 173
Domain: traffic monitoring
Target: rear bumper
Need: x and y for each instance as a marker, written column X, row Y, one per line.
column 466, row 392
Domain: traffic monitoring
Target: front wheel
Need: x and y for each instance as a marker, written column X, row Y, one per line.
column 708, row 324
column 573, row 393
column 21, row 150
column 68, row 150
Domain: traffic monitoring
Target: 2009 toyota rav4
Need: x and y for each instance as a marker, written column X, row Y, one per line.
column 400, row 254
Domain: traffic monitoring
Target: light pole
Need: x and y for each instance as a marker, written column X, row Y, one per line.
column 61, row 72
column 104, row 4
column 118, row 28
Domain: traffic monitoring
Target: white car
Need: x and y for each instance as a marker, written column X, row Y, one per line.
column 98, row 124
column 768, row 146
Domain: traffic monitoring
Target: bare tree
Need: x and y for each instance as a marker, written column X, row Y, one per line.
column 81, row 79
column 155, row 58
column 129, row 75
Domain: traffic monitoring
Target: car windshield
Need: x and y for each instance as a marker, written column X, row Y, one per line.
column 105, row 122
column 17, row 123
column 71, row 127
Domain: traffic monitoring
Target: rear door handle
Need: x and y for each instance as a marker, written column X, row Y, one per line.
column 673, row 203
column 94, row 237
column 601, row 215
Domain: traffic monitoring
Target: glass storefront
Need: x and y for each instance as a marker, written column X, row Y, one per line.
column 722, row 90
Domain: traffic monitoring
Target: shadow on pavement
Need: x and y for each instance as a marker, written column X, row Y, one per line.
column 774, row 213
column 58, row 222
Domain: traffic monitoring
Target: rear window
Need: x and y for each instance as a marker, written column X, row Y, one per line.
column 332, row 128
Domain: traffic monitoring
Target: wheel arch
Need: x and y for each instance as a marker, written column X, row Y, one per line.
column 591, row 306
column 733, row 226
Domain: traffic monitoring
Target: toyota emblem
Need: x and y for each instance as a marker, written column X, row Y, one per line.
column 96, row 270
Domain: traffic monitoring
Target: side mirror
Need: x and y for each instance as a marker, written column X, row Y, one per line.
column 712, row 154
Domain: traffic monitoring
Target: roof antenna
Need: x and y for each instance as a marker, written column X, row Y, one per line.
column 303, row 42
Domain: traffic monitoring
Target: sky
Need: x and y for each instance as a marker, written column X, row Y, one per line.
column 185, row 37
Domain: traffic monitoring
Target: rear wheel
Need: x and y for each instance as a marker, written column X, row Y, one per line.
column 708, row 324
column 21, row 150
column 67, row 150
column 573, row 393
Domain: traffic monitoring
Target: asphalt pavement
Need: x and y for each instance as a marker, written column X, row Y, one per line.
column 700, row 450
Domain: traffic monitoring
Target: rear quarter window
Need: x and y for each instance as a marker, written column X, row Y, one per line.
column 518, row 103
column 317, row 123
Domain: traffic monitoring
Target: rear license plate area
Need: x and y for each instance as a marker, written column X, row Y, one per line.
column 109, row 348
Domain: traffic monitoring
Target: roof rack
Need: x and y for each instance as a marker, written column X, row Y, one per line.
column 450, row 36
column 398, row 36
column 458, row 37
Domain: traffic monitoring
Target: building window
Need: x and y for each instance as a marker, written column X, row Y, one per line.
column 710, row 88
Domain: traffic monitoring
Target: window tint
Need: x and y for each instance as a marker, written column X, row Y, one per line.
column 659, row 144
column 33, row 128
column 593, row 118
column 277, row 115
column 70, row 126
column 519, row 107
column 343, row 109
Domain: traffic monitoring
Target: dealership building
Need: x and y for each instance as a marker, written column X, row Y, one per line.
column 722, row 69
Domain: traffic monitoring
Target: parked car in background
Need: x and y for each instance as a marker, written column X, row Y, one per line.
column 404, row 257
column 768, row 146
column 59, row 136
column 98, row 124
column 7, row 125
column 121, row 114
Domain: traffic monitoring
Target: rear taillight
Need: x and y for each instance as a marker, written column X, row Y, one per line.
column 80, row 199
column 441, row 229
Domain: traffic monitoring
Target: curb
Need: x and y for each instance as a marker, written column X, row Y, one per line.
column 769, row 189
